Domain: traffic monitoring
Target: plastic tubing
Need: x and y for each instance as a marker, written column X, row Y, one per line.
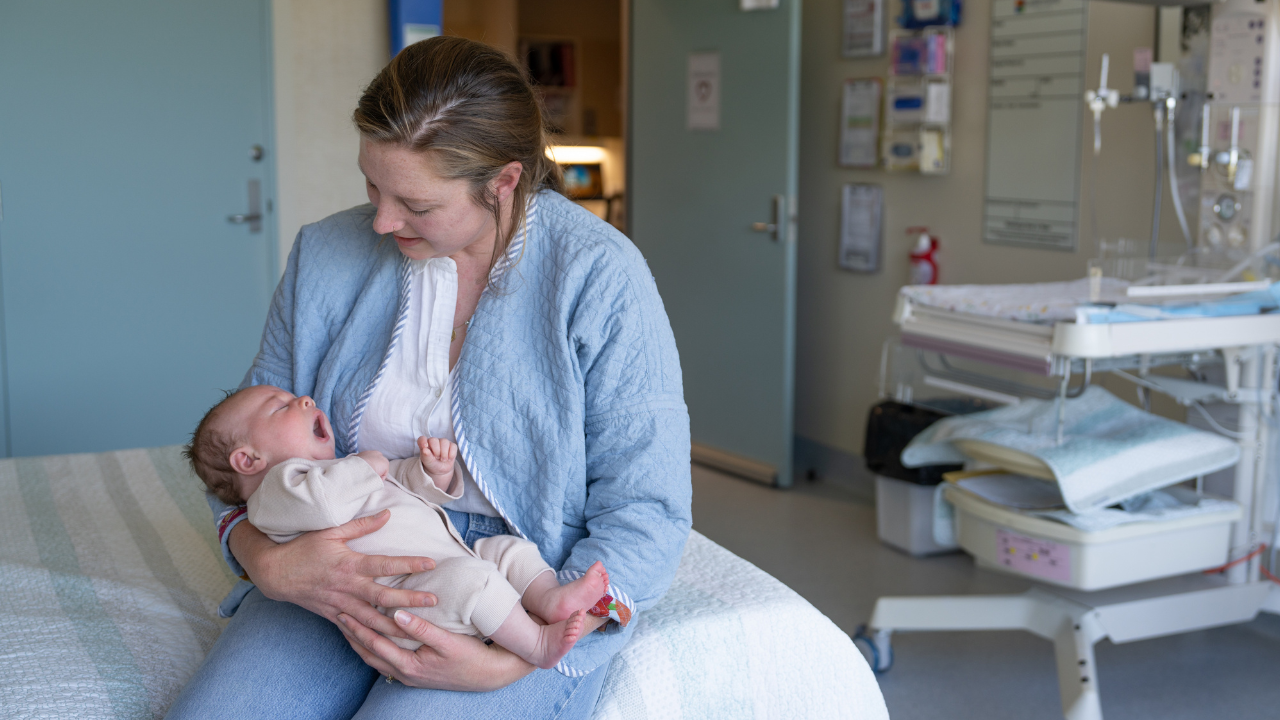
column 1097, row 134
column 1173, row 175
column 1155, row 212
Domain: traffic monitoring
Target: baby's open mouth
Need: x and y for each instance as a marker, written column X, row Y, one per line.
column 318, row 430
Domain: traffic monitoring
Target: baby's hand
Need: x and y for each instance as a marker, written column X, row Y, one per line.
column 377, row 461
column 437, row 456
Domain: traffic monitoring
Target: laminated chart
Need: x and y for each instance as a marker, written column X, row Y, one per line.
column 1034, row 110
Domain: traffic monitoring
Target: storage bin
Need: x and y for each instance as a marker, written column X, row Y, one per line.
column 1051, row 552
column 904, row 496
column 891, row 425
column 904, row 516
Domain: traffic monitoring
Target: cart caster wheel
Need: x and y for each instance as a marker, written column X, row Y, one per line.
column 878, row 645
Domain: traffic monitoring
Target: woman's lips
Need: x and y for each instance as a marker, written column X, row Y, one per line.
column 405, row 240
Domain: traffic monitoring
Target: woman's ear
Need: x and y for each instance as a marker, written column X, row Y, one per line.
column 246, row 461
column 507, row 180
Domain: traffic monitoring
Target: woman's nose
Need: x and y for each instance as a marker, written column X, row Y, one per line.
column 384, row 221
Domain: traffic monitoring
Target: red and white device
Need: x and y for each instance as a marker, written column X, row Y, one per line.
column 924, row 257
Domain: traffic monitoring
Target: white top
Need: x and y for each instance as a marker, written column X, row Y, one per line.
column 414, row 397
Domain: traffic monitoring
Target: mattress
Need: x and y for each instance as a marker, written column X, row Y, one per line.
column 730, row 641
column 110, row 577
column 1029, row 302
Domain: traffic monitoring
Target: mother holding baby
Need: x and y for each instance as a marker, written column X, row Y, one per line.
column 470, row 301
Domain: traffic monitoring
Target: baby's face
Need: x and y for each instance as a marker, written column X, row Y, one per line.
column 280, row 426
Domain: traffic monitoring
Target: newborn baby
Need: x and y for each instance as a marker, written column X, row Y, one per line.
column 274, row 452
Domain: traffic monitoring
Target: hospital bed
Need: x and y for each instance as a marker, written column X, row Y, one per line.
column 110, row 578
column 1035, row 337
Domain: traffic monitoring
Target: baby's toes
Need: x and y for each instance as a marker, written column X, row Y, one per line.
column 573, row 626
column 601, row 576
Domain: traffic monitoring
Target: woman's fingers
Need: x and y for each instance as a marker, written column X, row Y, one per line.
column 359, row 527
column 383, row 596
column 388, row 658
column 372, row 618
column 394, row 660
column 421, row 630
column 369, row 658
column 365, row 636
column 445, row 661
column 378, row 565
column 389, row 565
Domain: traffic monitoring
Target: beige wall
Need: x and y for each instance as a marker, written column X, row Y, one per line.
column 843, row 318
column 326, row 51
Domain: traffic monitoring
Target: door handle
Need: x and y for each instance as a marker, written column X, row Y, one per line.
column 254, row 217
column 779, row 217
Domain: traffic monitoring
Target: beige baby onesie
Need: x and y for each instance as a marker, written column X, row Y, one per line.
column 475, row 589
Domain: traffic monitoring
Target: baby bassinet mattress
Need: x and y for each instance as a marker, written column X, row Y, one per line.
column 110, row 578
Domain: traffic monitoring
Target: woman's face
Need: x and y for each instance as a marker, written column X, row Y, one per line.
column 430, row 216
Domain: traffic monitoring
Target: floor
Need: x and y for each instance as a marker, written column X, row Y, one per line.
column 820, row 539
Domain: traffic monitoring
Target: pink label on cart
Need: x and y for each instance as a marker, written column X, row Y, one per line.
column 1041, row 558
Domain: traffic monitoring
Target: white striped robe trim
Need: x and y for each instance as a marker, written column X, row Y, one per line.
column 353, row 427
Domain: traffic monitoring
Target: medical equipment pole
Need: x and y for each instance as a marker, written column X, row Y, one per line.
column 1243, row 535
column 1261, row 409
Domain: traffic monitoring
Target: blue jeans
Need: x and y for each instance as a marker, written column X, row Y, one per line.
column 276, row 660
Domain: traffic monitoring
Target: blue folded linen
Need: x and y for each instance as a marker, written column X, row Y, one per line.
column 1111, row 451
column 1250, row 303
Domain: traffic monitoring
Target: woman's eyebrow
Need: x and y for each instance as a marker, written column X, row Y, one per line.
column 401, row 198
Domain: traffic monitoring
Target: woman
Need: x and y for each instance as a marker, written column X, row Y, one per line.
column 498, row 314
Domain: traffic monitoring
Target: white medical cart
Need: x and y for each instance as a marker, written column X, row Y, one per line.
column 1073, row 619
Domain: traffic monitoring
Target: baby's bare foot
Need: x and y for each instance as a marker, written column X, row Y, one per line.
column 557, row 640
column 581, row 594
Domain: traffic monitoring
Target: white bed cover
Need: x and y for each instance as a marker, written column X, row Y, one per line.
column 110, row 578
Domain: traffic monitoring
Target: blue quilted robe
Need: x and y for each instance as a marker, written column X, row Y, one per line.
column 568, row 401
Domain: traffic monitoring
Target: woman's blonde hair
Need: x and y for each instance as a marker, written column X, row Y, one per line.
column 473, row 111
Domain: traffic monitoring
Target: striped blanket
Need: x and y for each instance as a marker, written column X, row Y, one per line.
column 110, row 578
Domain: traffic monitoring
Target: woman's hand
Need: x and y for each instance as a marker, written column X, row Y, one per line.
column 446, row 661
column 320, row 573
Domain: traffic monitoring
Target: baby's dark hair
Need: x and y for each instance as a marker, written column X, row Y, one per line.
column 209, row 453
